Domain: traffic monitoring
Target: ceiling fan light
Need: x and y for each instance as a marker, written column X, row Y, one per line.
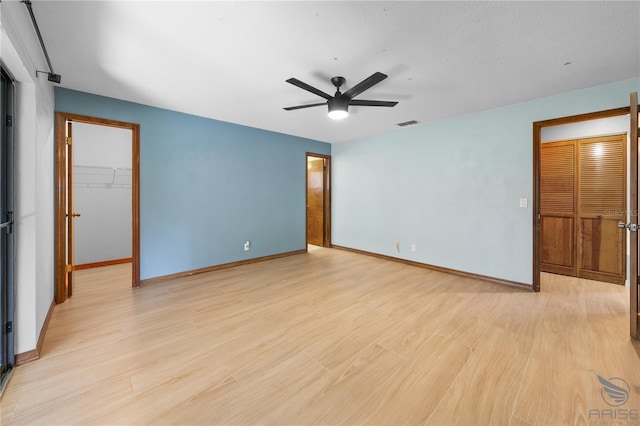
column 338, row 109
column 338, row 114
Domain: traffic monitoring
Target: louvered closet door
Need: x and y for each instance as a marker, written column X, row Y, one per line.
column 601, row 206
column 557, row 208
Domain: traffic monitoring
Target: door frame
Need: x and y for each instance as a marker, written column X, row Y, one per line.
column 61, row 196
column 326, row 187
column 537, row 132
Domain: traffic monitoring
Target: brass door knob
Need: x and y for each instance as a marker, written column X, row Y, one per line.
column 75, row 215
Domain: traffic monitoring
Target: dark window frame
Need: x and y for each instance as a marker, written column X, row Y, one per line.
column 7, row 265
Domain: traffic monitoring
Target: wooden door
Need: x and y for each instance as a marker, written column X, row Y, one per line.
column 601, row 206
column 634, row 305
column 70, row 211
column 582, row 200
column 315, row 200
column 557, row 208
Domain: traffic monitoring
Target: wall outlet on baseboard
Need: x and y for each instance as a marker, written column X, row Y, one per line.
column 247, row 245
column 413, row 248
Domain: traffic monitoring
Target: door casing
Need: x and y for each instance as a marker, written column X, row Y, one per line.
column 61, row 291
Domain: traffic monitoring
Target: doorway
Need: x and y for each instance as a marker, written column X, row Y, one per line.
column 101, row 195
column 631, row 213
column 94, row 176
column 318, row 199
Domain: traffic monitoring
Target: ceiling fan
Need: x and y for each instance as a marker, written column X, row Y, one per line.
column 339, row 103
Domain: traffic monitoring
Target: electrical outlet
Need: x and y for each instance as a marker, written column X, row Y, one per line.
column 247, row 246
column 413, row 248
column 398, row 246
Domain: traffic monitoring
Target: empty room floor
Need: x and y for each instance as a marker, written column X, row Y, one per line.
column 327, row 337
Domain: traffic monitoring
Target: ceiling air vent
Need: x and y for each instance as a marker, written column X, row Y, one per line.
column 407, row 123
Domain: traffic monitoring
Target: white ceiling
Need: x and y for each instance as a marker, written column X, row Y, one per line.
column 230, row 60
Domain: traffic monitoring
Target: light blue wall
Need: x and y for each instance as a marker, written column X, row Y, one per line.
column 453, row 187
column 207, row 186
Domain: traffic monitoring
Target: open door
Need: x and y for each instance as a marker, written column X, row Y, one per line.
column 318, row 200
column 70, row 215
column 634, row 313
column 65, row 214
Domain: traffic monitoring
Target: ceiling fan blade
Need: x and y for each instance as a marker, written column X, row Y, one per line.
column 372, row 80
column 308, row 88
column 303, row 106
column 372, row 103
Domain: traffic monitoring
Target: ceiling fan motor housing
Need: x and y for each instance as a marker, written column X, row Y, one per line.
column 338, row 104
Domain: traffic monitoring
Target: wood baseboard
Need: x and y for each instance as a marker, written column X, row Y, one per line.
column 103, row 263
column 218, row 267
column 34, row 354
column 464, row 274
column 25, row 357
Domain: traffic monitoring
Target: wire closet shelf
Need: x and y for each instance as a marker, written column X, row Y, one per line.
column 101, row 177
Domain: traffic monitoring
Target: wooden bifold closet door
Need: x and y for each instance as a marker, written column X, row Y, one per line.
column 582, row 200
column 558, row 208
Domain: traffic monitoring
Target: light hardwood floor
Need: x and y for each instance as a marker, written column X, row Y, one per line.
column 328, row 337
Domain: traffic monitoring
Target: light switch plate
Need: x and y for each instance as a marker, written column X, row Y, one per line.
column 523, row 202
